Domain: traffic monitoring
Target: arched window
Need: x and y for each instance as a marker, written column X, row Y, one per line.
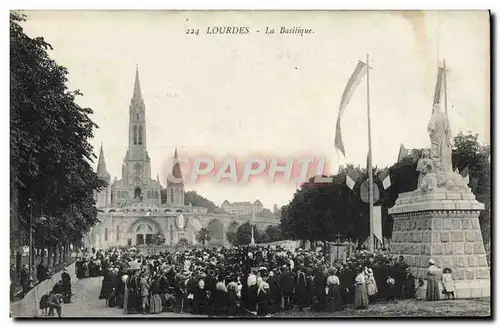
column 135, row 134
column 140, row 135
column 117, row 232
column 172, row 195
column 105, row 234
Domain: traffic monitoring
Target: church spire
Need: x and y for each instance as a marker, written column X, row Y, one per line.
column 176, row 169
column 101, row 166
column 137, row 96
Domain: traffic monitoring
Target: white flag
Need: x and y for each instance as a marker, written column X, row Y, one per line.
column 377, row 223
column 349, row 182
column 356, row 77
column 386, row 183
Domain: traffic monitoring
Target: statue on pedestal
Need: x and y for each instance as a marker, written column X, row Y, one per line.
column 435, row 166
column 440, row 135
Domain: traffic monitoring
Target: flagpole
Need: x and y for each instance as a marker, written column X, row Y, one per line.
column 252, row 240
column 445, row 88
column 370, row 172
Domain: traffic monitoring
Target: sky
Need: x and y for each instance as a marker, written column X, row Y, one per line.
column 273, row 96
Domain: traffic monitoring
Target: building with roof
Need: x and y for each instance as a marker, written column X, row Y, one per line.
column 131, row 210
column 242, row 208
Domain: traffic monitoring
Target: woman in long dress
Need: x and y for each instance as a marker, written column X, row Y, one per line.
column 371, row 284
column 155, row 298
column 433, row 278
column 125, row 293
column 333, row 288
column 262, row 297
column 360, row 293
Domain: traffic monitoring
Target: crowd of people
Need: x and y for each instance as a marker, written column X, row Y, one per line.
column 246, row 280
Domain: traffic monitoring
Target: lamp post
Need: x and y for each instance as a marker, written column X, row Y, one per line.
column 338, row 244
column 30, row 259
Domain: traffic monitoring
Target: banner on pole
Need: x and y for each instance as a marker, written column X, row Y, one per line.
column 377, row 223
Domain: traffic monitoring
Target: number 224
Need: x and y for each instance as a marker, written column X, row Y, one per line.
column 193, row 31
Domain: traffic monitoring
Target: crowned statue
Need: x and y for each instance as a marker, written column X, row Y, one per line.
column 435, row 166
column 440, row 135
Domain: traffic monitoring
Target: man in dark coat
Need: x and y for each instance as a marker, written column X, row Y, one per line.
column 66, row 284
column 275, row 293
column 41, row 272
column 318, row 291
column 408, row 284
column 400, row 268
column 25, row 280
column 302, row 289
column 287, row 285
column 191, row 288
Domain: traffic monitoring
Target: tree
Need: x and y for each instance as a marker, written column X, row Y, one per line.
column 244, row 235
column 468, row 153
column 197, row 200
column 231, row 237
column 51, row 172
column 274, row 233
column 203, row 236
column 266, row 213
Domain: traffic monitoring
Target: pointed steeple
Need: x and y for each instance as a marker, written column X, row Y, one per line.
column 101, row 166
column 176, row 169
column 137, row 96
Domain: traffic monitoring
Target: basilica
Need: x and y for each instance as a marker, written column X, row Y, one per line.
column 131, row 210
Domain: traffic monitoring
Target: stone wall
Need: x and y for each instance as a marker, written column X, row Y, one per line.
column 443, row 226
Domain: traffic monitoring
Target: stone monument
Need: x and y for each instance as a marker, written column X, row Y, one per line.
column 439, row 220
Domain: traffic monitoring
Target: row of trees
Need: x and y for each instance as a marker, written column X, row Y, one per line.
column 51, row 177
column 318, row 212
column 243, row 235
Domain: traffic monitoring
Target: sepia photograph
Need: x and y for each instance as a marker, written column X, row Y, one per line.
column 250, row 164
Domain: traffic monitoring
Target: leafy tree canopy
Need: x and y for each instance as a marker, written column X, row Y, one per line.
column 51, row 155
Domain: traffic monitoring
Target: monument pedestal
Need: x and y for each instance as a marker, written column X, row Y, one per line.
column 442, row 224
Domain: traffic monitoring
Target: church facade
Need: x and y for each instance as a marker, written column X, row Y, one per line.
column 131, row 210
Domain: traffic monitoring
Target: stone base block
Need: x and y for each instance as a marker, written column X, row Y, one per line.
column 464, row 289
column 442, row 225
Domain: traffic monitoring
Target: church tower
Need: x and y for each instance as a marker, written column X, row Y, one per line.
column 175, row 184
column 137, row 164
column 103, row 198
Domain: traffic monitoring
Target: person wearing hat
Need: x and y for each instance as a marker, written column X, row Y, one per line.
column 66, row 285
column 408, row 287
column 433, row 278
column 360, row 295
column 287, row 285
column 334, row 300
